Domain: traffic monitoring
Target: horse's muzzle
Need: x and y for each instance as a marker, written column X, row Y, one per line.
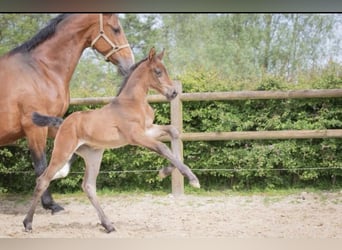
column 124, row 67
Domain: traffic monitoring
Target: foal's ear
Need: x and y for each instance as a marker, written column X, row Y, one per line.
column 151, row 54
column 161, row 54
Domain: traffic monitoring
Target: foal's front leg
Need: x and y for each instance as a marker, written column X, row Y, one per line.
column 92, row 158
column 162, row 149
column 157, row 131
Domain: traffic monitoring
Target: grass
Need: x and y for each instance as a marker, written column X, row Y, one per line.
column 270, row 195
column 252, row 192
column 272, row 199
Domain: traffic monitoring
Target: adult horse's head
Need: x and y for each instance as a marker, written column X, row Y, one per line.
column 108, row 37
column 160, row 80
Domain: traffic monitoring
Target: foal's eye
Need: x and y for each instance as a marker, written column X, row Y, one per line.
column 158, row 72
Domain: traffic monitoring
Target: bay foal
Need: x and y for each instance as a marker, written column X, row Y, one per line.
column 128, row 119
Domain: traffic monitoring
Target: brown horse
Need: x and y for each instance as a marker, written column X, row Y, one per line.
column 128, row 119
column 35, row 77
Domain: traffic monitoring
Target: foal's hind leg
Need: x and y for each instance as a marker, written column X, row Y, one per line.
column 37, row 144
column 92, row 158
column 43, row 182
column 61, row 154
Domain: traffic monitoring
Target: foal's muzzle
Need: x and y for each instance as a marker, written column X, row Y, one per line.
column 171, row 94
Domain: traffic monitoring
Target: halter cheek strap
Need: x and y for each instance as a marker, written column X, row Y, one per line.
column 115, row 48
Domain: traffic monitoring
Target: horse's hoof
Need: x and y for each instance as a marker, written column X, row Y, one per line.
column 55, row 208
column 195, row 184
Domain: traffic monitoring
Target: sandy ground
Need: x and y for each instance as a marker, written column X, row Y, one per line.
column 302, row 215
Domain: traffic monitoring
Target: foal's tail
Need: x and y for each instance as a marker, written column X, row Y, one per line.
column 44, row 120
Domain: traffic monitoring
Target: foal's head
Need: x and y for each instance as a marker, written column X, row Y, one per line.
column 150, row 72
column 158, row 77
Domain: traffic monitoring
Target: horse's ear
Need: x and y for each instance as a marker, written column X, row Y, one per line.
column 151, row 54
column 161, row 54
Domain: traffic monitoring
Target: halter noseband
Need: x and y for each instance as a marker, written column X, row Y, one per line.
column 102, row 34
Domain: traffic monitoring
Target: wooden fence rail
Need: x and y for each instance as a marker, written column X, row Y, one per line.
column 260, row 135
column 219, row 96
column 177, row 119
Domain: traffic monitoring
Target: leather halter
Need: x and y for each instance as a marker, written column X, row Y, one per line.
column 115, row 48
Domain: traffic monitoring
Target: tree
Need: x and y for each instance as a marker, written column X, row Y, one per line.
column 235, row 47
column 17, row 28
column 250, row 46
column 141, row 32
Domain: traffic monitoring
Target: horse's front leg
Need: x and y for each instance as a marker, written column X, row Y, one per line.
column 37, row 144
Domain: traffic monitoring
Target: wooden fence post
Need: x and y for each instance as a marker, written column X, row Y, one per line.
column 177, row 145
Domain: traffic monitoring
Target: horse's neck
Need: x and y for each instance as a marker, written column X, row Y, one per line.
column 59, row 55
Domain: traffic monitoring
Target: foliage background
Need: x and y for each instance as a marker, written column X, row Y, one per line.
column 213, row 52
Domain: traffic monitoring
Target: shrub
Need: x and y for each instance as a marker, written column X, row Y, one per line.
column 219, row 164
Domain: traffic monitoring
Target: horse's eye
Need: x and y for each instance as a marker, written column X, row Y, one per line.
column 117, row 30
column 158, row 72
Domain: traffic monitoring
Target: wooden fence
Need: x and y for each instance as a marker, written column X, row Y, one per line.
column 177, row 119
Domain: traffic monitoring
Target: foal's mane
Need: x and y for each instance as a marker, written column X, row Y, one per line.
column 42, row 35
column 131, row 69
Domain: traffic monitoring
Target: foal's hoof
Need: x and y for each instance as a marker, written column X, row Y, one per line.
column 195, row 184
column 28, row 226
column 161, row 174
column 165, row 171
column 109, row 227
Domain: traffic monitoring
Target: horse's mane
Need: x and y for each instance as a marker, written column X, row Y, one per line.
column 41, row 36
column 131, row 69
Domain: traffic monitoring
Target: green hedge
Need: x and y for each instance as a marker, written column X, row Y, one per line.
column 238, row 165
